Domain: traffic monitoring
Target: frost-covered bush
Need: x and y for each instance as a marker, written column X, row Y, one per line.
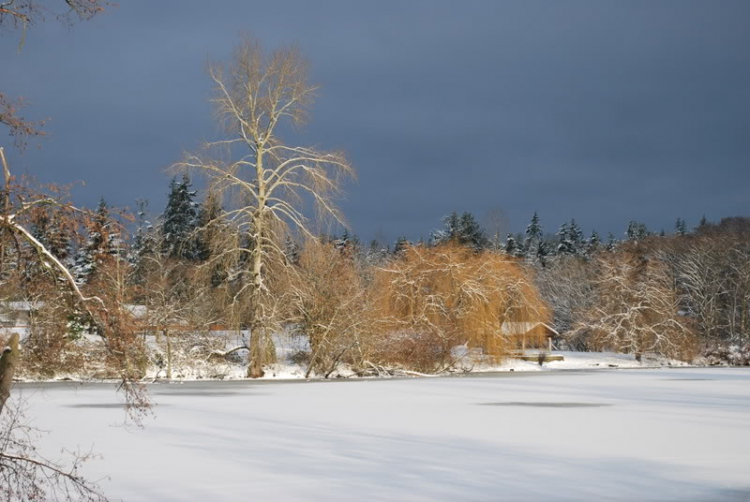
column 727, row 355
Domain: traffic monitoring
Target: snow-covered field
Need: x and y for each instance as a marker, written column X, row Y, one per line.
column 651, row 434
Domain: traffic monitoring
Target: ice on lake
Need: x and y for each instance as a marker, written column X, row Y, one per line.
column 661, row 434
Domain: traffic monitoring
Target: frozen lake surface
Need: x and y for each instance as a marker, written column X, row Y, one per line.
column 662, row 434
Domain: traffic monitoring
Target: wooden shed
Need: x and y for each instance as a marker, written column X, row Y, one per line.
column 537, row 335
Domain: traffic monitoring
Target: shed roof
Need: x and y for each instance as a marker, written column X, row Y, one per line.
column 521, row 328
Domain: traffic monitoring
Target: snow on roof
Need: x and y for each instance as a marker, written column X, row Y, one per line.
column 521, row 328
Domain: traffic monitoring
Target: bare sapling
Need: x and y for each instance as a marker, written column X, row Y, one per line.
column 331, row 304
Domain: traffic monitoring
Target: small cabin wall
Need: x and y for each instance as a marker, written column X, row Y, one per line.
column 536, row 337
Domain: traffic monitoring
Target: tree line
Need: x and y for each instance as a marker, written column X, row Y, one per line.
column 681, row 295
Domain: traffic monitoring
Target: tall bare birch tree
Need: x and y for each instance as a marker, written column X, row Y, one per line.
column 266, row 183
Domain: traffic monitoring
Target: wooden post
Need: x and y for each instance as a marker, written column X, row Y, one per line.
column 169, row 353
column 8, row 363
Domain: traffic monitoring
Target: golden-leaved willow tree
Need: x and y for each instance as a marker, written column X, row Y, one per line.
column 432, row 299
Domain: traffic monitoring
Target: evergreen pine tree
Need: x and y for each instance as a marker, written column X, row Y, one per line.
column 534, row 234
column 59, row 241
column 100, row 246
column 636, row 231
column 534, row 247
column 48, row 227
column 344, row 240
column 631, row 232
column 401, row 244
column 471, row 233
column 510, row 245
column 702, row 223
column 179, row 220
column 564, row 243
column 377, row 252
column 141, row 231
column 570, row 239
column 291, row 250
column 450, row 230
column 375, row 247
column 680, row 227
column 593, row 244
column 534, row 229
column 39, row 225
column 208, row 225
column 463, row 230
column 144, row 245
column 611, row 242
column 342, row 243
column 541, row 253
column 347, row 244
column 576, row 237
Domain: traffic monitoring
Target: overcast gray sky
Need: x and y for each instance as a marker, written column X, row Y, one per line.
column 603, row 111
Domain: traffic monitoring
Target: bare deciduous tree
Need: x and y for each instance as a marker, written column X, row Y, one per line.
column 265, row 181
column 568, row 285
column 496, row 224
column 636, row 310
column 331, row 303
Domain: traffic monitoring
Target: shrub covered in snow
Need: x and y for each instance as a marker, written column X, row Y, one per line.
column 726, row 354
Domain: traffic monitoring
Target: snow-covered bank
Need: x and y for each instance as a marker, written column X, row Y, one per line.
column 286, row 369
column 290, row 365
column 678, row 434
column 199, row 357
column 584, row 360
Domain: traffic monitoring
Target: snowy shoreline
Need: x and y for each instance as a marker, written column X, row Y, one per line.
column 573, row 362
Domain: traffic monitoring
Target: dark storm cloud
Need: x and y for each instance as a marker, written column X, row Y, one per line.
column 602, row 111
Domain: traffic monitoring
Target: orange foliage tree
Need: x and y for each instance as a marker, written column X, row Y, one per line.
column 430, row 300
